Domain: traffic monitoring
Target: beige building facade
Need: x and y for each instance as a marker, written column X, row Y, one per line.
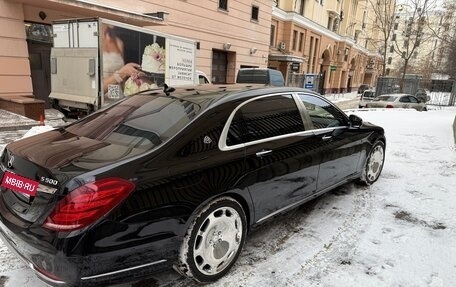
column 324, row 38
column 229, row 35
column 297, row 37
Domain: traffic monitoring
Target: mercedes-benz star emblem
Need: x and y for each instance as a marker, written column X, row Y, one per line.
column 11, row 160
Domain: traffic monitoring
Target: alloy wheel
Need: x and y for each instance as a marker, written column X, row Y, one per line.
column 217, row 240
column 375, row 163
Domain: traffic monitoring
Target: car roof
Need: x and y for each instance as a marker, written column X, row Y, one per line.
column 201, row 94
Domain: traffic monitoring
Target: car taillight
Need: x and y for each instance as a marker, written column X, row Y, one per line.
column 389, row 106
column 88, row 203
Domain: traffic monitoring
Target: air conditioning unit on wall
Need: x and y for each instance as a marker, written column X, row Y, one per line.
column 282, row 46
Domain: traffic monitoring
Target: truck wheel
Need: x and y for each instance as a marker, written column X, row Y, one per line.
column 213, row 241
column 374, row 164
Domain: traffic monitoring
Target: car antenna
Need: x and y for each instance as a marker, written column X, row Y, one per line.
column 168, row 90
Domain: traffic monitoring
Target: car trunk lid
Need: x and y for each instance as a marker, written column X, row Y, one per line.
column 44, row 159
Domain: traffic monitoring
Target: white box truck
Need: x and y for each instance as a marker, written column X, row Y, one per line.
column 95, row 62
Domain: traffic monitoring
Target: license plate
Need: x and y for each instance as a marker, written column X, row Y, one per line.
column 20, row 184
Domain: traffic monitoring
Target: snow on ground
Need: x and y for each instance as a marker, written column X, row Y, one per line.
column 399, row 231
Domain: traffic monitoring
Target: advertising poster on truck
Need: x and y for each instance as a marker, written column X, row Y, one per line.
column 135, row 61
column 95, row 62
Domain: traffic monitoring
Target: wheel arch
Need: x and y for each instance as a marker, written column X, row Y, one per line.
column 243, row 198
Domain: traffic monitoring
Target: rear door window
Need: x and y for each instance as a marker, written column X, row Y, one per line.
column 264, row 118
column 404, row 99
column 413, row 100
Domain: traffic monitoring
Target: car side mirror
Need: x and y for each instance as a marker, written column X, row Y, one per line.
column 355, row 121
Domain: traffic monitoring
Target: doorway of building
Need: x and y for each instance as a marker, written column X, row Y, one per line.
column 219, row 66
column 39, row 43
column 39, row 55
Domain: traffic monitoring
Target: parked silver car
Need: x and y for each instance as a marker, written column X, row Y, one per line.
column 404, row 101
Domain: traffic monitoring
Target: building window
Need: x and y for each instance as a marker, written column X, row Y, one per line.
column 223, row 4
column 301, row 10
column 387, row 71
column 301, row 39
column 255, row 12
column 406, row 43
column 394, row 37
column 295, row 36
column 330, row 23
column 309, row 68
column 396, row 25
column 39, row 32
column 314, row 60
column 272, row 36
column 390, row 60
column 391, row 48
column 357, row 33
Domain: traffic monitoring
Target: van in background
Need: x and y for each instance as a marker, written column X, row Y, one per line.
column 269, row 77
column 201, row 78
column 367, row 96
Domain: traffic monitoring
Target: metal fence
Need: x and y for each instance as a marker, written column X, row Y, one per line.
column 298, row 80
column 441, row 92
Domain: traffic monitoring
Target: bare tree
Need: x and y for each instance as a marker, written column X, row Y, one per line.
column 415, row 31
column 450, row 67
column 383, row 22
column 448, row 38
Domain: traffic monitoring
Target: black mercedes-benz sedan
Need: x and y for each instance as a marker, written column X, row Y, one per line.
column 174, row 178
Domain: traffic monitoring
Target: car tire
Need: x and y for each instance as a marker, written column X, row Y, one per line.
column 213, row 241
column 374, row 164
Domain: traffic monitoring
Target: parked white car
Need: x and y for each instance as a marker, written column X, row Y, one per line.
column 404, row 101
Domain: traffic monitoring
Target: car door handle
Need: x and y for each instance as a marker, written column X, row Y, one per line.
column 263, row 153
column 326, row 138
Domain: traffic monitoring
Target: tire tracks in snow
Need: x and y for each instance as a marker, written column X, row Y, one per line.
column 341, row 247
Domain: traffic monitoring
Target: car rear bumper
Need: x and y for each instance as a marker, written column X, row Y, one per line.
column 55, row 269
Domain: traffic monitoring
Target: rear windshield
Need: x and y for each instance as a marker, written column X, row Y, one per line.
column 139, row 123
column 253, row 76
column 368, row 95
column 385, row 98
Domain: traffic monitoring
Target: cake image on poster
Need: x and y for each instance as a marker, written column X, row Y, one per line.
column 152, row 71
column 153, row 59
